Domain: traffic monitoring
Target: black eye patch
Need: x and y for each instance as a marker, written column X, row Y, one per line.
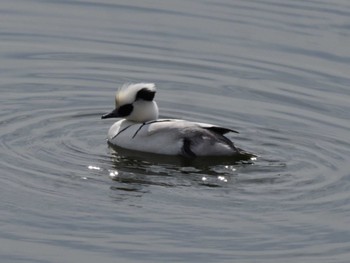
column 125, row 110
column 145, row 94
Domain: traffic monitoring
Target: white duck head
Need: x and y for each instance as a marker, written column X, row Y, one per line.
column 134, row 102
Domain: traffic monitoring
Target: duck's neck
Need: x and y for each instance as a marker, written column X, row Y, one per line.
column 144, row 111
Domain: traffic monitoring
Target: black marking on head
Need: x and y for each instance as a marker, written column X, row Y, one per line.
column 125, row 110
column 186, row 149
column 145, row 94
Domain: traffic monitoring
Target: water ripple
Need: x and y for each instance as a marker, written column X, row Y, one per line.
column 275, row 71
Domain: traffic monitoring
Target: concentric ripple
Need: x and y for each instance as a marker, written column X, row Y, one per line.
column 66, row 140
column 300, row 141
column 276, row 71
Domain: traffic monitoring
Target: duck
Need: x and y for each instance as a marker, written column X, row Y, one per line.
column 140, row 129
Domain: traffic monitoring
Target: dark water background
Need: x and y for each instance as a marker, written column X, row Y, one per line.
column 276, row 71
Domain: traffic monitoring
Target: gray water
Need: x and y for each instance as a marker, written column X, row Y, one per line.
column 276, row 71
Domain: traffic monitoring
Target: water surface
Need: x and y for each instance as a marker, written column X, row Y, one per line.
column 276, row 71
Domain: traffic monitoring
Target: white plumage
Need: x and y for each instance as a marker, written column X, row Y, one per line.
column 141, row 130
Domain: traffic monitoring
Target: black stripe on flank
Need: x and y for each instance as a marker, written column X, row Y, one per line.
column 122, row 131
column 143, row 124
column 146, row 123
column 186, row 149
column 150, row 122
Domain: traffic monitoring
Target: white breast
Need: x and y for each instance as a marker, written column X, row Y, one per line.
column 154, row 137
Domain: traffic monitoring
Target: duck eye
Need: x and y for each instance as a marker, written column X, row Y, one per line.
column 125, row 110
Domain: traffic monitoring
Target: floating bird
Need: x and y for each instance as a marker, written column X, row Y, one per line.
column 140, row 129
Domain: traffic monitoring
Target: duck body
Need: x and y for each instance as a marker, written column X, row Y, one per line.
column 140, row 129
column 172, row 137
